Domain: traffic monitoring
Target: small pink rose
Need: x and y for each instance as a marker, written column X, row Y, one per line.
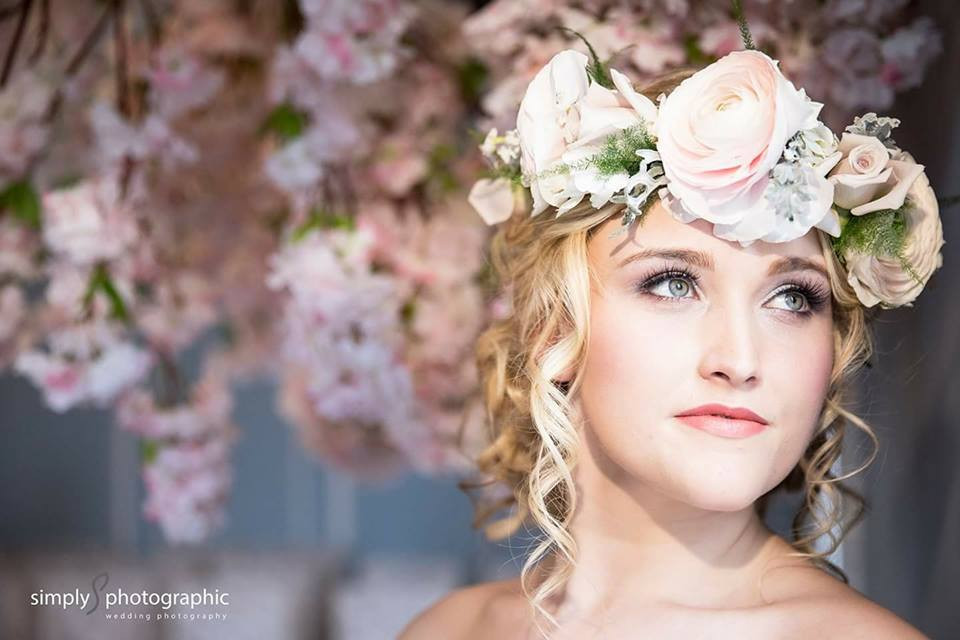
column 868, row 178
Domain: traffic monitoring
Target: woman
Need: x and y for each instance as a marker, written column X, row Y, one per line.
column 686, row 317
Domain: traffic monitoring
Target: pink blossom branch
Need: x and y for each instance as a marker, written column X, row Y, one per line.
column 6, row 12
column 88, row 43
column 43, row 32
column 11, row 56
column 153, row 21
column 120, row 49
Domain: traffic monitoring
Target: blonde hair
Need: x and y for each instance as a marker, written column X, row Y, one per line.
column 542, row 261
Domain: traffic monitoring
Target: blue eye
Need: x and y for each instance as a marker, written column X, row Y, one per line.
column 811, row 297
column 676, row 287
column 793, row 298
column 802, row 298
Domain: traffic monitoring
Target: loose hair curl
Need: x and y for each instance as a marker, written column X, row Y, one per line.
column 542, row 262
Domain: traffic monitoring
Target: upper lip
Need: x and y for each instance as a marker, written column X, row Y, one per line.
column 714, row 409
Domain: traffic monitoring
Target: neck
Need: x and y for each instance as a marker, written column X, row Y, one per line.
column 642, row 548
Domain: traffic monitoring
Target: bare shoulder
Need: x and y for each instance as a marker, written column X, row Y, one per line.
column 821, row 604
column 470, row 613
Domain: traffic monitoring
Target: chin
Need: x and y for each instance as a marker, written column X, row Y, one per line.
column 721, row 494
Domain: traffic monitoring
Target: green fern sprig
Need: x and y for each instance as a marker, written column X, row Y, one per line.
column 742, row 23
column 882, row 234
column 617, row 155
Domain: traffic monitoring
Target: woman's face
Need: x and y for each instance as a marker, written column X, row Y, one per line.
column 682, row 319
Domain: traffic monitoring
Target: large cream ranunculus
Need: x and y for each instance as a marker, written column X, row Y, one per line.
column 565, row 117
column 721, row 131
column 884, row 281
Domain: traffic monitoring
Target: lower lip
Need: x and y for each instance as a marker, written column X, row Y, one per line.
column 724, row 427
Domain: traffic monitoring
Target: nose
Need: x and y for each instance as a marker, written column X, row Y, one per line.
column 731, row 350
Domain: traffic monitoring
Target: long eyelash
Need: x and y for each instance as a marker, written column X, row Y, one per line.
column 651, row 280
column 814, row 292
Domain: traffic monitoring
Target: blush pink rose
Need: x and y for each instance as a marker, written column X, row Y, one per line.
column 722, row 130
column 869, row 178
column 884, row 280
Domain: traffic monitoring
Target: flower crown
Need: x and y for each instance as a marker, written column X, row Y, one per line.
column 735, row 144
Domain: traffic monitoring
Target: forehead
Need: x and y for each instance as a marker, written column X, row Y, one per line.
column 660, row 230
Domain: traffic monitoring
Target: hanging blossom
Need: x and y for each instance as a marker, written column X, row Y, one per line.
column 180, row 309
column 19, row 247
column 88, row 222
column 319, row 131
column 438, row 256
column 118, row 139
column 187, row 470
column 870, row 54
column 353, row 41
column 84, row 364
column 341, row 325
column 180, row 82
column 24, row 131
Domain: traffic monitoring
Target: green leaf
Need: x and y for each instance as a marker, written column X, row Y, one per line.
column 408, row 311
column 286, row 122
column 511, row 173
column 321, row 219
column 596, row 69
column 149, row 450
column 471, row 77
column 100, row 281
column 695, row 55
column 439, row 162
column 22, row 201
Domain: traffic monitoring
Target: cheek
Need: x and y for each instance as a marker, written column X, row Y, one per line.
column 802, row 384
column 630, row 365
column 632, row 383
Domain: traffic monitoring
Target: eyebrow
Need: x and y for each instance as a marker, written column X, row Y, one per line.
column 704, row 260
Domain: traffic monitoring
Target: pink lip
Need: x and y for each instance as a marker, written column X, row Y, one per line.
column 724, row 427
column 723, row 421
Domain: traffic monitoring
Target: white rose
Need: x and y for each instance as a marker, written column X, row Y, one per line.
column 565, row 117
column 549, row 121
